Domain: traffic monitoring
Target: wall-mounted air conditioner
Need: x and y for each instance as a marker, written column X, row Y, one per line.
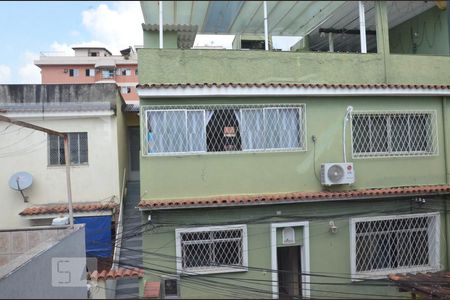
column 337, row 173
column 170, row 287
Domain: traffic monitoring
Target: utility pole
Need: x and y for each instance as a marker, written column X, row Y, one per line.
column 66, row 154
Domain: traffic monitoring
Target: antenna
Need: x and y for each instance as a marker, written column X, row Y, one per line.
column 20, row 181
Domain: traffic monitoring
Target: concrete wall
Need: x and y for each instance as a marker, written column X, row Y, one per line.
column 426, row 33
column 33, row 279
column 210, row 174
column 27, row 150
column 200, row 66
column 329, row 253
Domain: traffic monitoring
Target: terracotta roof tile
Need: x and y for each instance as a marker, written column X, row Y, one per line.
column 429, row 285
column 152, row 289
column 63, row 208
column 242, row 200
column 294, row 85
column 117, row 273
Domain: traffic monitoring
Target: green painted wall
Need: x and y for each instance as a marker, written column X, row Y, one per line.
column 151, row 40
column 211, row 174
column 329, row 253
column 426, row 33
column 199, row 66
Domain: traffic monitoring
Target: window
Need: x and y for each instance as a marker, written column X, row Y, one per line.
column 94, row 53
column 78, row 145
column 192, row 129
column 90, row 72
column 108, row 73
column 212, row 249
column 125, row 89
column 74, row 72
column 393, row 134
column 394, row 244
column 126, row 72
column 136, row 71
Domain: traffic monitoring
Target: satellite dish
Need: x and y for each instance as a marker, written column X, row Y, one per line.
column 21, row 181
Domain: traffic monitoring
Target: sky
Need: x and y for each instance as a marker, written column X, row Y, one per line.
column 54, row 27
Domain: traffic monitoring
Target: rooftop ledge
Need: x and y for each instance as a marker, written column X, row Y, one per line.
column 208, row 66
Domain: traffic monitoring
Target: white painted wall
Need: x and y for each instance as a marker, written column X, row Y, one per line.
column 26, row 150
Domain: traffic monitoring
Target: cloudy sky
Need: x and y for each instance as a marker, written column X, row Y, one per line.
column 29, row 28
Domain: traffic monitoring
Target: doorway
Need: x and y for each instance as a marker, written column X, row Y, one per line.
column 289, row 272
column 133, row 150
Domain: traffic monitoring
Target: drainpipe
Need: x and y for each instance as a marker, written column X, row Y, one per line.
column 161, row 45
column 362, row 27
column 266, row 27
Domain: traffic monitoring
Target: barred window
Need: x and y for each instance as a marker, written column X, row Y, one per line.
column 394, row 134
column 212, row 249
column 395, row 244
column 78, row 145
column 189, row 129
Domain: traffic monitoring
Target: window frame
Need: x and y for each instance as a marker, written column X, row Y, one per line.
column 432, row 135
column 90, row 72
column 301, row 107
column 74, row 72
column 434, row 258
column 49, row 164
column 211, row 270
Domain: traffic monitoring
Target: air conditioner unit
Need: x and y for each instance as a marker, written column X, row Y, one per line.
column 170, row 287
column 337, row 173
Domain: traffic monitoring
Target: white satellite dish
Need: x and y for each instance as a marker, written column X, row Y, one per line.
column 21, row 181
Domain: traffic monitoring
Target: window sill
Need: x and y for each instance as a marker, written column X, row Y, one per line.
column 181, row 154
column 63, row 166
column 360, row 276
column 204, row 271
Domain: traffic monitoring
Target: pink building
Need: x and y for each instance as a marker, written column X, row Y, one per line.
column 92, row 65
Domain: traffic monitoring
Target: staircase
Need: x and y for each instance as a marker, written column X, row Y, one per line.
column 131, row 239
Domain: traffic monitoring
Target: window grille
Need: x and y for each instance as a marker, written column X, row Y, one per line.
column 201, row 129
column 394, row 134
column 395, row 244
column 107, row 73
column 213, row 249
column 74, row 72
column 78, row 145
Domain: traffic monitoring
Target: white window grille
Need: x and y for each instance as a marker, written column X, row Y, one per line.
column 394, row 244
column 200, row 129
column 90, row 73
column 394, row 134
column 78, row 145
column 126, row 72
column 212, row 249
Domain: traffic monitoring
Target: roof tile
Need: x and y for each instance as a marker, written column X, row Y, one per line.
column 117, row 273
column 232, row 200
column 62, row 208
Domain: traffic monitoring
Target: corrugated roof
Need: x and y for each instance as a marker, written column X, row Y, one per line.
column 283, row 198
column 117, row 273
column 293, row 85
column 63, row 208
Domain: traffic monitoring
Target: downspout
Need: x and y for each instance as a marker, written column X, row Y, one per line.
column 266, row 27
column 447, row 176
column 362, row 27
column 161, row 43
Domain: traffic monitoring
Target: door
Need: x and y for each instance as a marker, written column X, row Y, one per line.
column 289, row 272
column 133, row 150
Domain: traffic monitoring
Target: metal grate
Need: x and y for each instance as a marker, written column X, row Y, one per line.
column 201, row 129
column 78, row 145
column 407, row 243
column 394, row 134
column 206, row 250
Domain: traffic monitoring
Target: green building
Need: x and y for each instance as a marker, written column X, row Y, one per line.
column 314, row 172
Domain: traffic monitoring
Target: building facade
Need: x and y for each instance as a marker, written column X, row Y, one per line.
column 295, row 174
column 92, row 65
